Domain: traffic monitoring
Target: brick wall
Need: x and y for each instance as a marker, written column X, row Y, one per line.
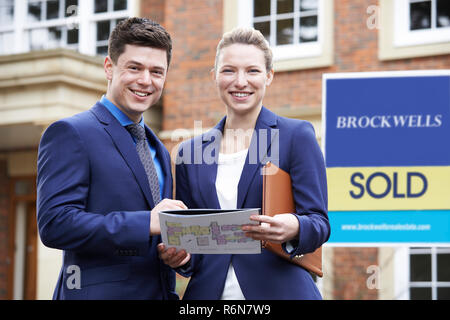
column 4, row 208
column 153, row 9
column 356, row 46
column 351, row 274
column 196, row 27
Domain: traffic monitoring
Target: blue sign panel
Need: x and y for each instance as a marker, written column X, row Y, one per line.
column 387, row 151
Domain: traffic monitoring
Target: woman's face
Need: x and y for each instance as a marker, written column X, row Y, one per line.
column 241, row 77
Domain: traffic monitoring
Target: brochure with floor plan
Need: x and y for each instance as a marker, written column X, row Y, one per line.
column 209, row 231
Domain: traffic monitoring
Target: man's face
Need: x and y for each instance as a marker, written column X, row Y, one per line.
column 137, row 79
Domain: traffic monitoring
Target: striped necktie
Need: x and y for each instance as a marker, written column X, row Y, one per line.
column 143, row 151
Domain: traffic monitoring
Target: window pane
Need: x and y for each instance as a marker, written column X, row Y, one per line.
column 420, row 267
column 443, row 267
column 420, row 293
column 285, row 6
column 101, row 6
column 102, row 50
column 37, row 38
column 6, row 12
column 443, row 293
column 72, row 36
column 34, row 11
column 71, row 8
column 420, row 15
column 308, row 29
column 264, row 27
column 285, row 31
column 52, row 9
column 119, row 20
column 54, row 37
column 103, row 30
column 308, row 5
column 261, row 8
column 443, row 13
column 5, row 42
column 120, row 5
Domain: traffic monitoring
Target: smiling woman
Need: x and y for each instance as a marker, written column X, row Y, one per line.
column 232, row 180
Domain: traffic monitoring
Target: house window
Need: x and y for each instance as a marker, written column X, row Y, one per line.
column 421, row 22
column 290, row 26
column 107, row 13
column 432, row 14
column 6, row 12
column 6, row 25
column 82, row 25
column 46, row 26
column 300, row 32
column 286, row 22
column 429, row 273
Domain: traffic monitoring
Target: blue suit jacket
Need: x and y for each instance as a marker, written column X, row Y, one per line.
column 94, row 202
column 263, row 276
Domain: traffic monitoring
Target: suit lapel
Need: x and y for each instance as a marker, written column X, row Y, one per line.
column 259, row 147
column 124, row 144
column 208, row 153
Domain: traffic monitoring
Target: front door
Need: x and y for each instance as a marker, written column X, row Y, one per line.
column 23, row 238
column 30, row 277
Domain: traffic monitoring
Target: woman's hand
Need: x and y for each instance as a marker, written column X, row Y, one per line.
column 173, row 258
column 279, row 228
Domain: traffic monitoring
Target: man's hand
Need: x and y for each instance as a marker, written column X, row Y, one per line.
column 165, row 204
column 279, row 228
column 173, row 258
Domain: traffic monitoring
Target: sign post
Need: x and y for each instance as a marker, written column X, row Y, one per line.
column 386, row 143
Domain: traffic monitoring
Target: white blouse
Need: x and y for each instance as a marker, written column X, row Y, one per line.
column 229, row 172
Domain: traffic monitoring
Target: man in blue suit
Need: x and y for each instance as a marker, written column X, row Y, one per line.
column 96, row 199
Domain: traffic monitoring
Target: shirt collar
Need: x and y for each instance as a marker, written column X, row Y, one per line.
column 118, row 114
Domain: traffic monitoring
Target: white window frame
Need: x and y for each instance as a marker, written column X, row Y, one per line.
column 85, row 20
column 402, row 272
column 403, row 36
column 293, row 51
column 4, row 29
column 65, row 23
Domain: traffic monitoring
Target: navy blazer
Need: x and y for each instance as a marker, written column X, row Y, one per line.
column 292, row 145
column 94, row 202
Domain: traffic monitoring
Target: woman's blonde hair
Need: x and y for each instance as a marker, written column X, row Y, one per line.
column 248, row 36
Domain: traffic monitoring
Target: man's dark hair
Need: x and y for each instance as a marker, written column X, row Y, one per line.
column 140, row 32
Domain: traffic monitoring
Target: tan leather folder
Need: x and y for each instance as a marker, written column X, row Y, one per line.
column 278, row 198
